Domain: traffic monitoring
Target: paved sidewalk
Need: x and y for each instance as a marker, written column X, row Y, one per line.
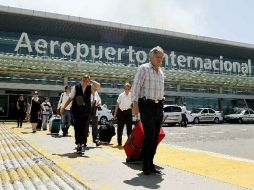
column 104, row 167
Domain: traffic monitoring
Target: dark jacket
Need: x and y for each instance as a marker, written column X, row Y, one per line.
column 81, row 103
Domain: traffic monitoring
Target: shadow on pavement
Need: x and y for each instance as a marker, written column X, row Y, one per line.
column 72, row 155
column 106, row 144
column 134, row 165
column 118, row 147
column 137, row 165
column 25, row 133
column 147, row 181
column 92, row 147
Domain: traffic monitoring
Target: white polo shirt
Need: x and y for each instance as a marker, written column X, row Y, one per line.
column 124, row 101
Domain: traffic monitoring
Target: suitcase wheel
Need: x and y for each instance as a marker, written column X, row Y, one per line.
column 128, row 159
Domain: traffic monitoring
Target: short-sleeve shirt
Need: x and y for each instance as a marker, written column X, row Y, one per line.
column 124, row 101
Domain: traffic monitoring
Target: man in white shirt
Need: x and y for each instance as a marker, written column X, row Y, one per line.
column 66, row 117
column 123, row 112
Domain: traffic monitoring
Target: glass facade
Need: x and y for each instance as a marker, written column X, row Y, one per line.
column 199, row 89
column 230, row 104
column 61, row 55
column 197, row 102
column 44, row 47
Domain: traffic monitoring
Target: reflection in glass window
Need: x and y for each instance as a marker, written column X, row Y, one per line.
column 3, row 105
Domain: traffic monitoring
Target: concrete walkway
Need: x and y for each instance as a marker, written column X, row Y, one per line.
column 104, row 167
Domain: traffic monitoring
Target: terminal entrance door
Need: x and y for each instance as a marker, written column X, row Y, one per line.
column 12, row 106
column 4, row 102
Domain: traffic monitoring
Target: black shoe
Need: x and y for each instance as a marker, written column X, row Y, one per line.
column 146, row 171
column 145, row 168
column 84, row 146
column 153, row 170
column 64, row 134
column 98, row 143
column 79, row 150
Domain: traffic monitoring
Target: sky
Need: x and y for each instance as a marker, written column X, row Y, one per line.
column 224, row 19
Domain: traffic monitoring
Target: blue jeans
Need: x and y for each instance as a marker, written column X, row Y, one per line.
column 45, row 119
column 66, row 121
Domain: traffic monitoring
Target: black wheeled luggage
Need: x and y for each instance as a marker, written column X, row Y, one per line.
column 106, row 132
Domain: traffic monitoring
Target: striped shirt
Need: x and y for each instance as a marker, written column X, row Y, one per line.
column 148, row 83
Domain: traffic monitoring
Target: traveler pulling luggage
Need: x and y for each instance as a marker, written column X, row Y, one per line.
column 55, row 124
column 133, row 145
column 106, row 132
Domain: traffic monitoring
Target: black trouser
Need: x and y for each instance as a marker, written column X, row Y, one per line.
column 151, row 115
column 184, row 120
column 94, row 123
column 20, row 118
column 123, row 117
column 81, row 126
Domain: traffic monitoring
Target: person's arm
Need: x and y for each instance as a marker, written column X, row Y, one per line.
column 65, row 105
column 135, row 109
column 18, row 105
column 116, row 109
column 118, row 101
column 30, row 107
column 60, row 101
column 96, row 85
column 98, row 99
column 136, row 88
column 42, row 107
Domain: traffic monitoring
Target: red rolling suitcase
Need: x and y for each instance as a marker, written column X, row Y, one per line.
column 133, row 145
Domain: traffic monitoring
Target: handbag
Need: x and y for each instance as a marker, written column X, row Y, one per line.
column 80, row 100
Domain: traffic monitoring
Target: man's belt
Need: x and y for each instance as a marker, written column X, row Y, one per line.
column 125, row 110
column 151, row 101
column 154, row 101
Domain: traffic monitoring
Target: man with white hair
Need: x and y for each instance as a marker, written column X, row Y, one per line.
column 148, row 98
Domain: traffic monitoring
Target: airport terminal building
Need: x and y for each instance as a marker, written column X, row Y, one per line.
column 45, row 51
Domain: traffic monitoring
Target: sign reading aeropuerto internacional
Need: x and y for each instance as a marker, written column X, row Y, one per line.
column 177, row 60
